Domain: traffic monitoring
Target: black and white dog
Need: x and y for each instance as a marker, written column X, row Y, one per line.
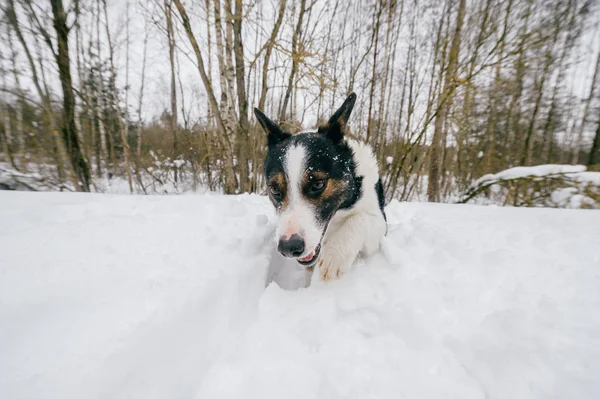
column 327, row 192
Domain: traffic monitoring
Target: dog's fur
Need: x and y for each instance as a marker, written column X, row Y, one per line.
column 327, row 192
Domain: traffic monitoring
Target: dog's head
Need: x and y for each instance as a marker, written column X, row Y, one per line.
column 309, row 176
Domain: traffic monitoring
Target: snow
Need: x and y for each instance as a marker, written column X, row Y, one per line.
column 588, row 177
column 179, row 163
column 568, row 197
column 526, row 171
column 164, row 297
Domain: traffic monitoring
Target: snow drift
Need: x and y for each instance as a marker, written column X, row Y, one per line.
column 164, row 297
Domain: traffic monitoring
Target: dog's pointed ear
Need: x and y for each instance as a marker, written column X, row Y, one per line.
column 336, row 126
column 275, row 134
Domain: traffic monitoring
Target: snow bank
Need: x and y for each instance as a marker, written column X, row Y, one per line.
column 159, row 180
column 12, row 179
column 528, row 171
column 557, row 186
column 164, row 297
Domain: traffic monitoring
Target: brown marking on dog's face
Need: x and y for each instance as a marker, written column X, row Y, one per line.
column 329, row 196
column 317, row 176
column 333, row 189
column 278, row 183
column 333, row 192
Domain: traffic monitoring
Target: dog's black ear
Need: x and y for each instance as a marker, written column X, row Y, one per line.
column 336, row 126
column 275, row 134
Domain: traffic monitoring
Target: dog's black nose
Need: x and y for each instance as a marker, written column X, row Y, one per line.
column 291, row 248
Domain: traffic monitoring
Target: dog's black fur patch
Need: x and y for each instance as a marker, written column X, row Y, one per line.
column 323, row 156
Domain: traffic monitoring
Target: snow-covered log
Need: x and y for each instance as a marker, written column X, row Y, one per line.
column 557, row 186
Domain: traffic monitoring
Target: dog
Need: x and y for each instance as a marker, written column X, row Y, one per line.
column 327, row 193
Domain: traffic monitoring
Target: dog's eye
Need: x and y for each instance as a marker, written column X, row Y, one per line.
column 317, row 185
column 275, row 192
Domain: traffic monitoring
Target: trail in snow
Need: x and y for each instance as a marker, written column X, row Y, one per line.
column 164, row 297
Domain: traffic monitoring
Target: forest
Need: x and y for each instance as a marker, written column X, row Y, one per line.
column 158, row 95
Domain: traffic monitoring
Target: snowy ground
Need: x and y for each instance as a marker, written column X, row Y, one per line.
column 164, row 297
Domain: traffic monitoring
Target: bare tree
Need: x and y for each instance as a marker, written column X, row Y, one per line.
column 240, row 76
column 378, row 12
column 492, row 118
column 69, row 129
column 171, row 41
column 141, row 97
column 296, row 55
column 268, row 47
column 225, row 134
column 433, row 188
column 122, row 125
column 586, row 111
column 540, row 86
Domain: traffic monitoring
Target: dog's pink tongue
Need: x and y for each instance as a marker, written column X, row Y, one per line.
column 307, row 258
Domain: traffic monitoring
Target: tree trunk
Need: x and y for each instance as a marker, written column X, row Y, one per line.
column 47, row 117
column 8, row 137
column 296, row 37
column 586, row 111
column 125, row 129
column 374, row 71
column 530, row 134
column 433, row 183
column 19, row 131
column 13, row 20
column 227, row 114
column 549, row 126
column 64, row 69
column 221, row 57
column 268, row 51
column 141, row 99
column 84, row 112
column 208, row 40
column 514, row 114
column 224, row 133
column 388, row 76
column 240, row 75
column 492, row 121
column 171, row 41
column 594, row 157
column 98, row 111
column 354, row 67
column 121, row 124
column 229, row 71
column 323, row 62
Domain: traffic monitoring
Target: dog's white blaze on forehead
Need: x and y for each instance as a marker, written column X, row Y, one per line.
column 299, row 217
column 294, row 169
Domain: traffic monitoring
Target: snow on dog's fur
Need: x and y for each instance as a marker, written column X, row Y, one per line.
column 327, row 192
